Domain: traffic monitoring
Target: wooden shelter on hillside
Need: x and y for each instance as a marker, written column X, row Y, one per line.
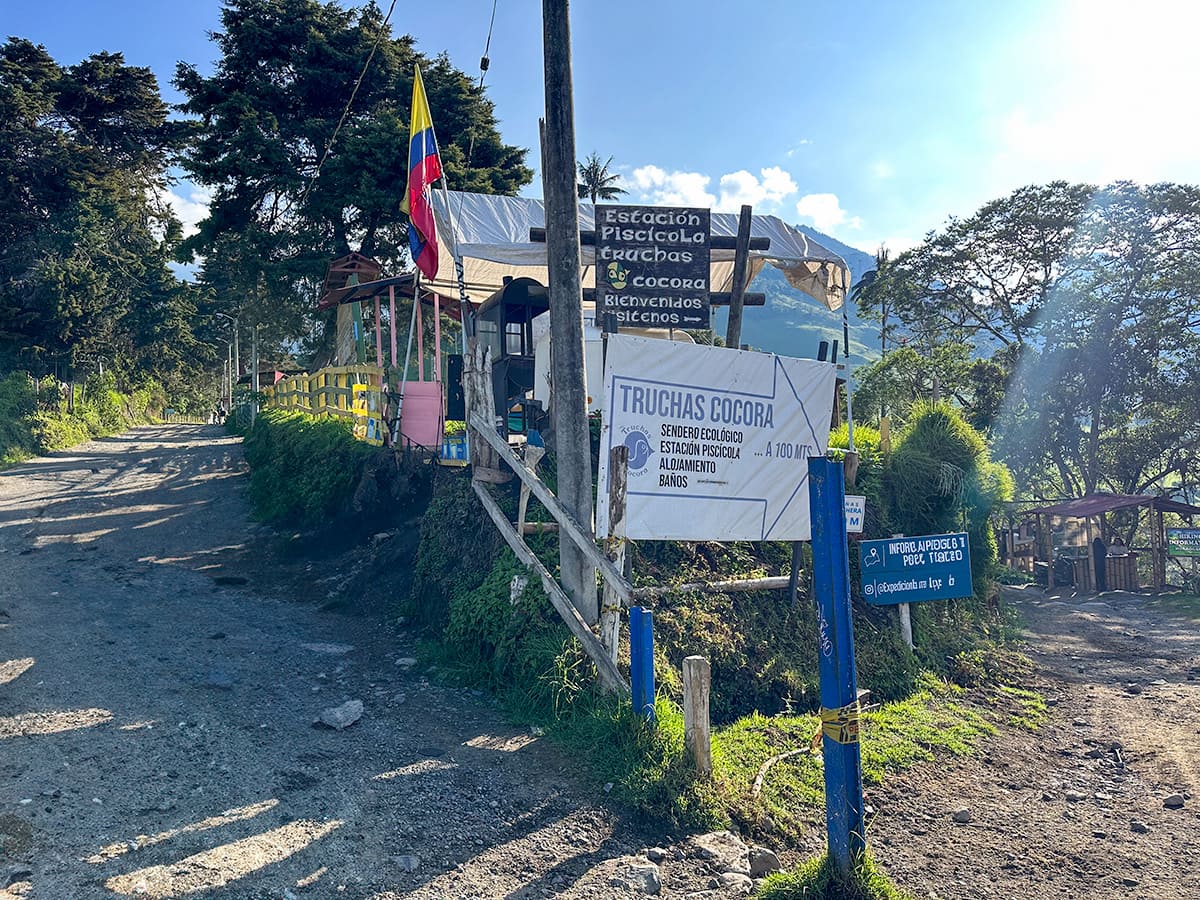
column 354, row 287
column 1074, row 543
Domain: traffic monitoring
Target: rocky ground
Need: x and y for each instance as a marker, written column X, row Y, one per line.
column 159, row 687
column 1098, row 803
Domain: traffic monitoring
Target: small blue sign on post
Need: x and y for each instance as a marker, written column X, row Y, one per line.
column 913, row 569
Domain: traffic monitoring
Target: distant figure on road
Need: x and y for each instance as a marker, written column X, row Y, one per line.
column 1099, row 554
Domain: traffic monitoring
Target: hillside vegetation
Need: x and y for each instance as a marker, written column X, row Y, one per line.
column 35, row 423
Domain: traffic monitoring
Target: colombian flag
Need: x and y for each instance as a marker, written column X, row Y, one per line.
column 424, row 168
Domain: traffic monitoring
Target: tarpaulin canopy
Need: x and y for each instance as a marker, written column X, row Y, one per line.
column 492, row 234
column 1101, row 502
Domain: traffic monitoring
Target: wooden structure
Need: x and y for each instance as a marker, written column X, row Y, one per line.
column 326, row 392
column 504, row 324
column 1120, row 567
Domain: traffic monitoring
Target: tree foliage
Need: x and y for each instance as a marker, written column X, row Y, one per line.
column 84, row 238
column 1081, row 310
column 291, row 189
column 596, row 182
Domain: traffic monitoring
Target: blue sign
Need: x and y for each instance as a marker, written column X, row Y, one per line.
column 912, row 569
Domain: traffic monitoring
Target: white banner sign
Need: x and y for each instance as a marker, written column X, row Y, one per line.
column 719, row 440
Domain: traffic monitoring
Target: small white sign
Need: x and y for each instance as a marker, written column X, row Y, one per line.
column 719, row 440
column 856, row 510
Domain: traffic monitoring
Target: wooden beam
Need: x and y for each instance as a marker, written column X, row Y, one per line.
column 582, row 539
column 741, row 261
column 717, row 242
column 733, row 586
column 610, row 676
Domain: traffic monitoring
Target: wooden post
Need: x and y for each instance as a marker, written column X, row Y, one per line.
column 906, row 624
column 392, row 321
column 1046, row 538
column 905, row 612
column 378, row 335
column 610, row 609
column 697, row 678
column 794, row 577
column 741, row 261
column 569, row 412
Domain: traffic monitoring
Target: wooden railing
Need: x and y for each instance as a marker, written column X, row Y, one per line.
column 328, row 391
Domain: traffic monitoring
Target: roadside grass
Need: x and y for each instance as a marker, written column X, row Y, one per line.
column 817, row 878
column 30, row 426
column 895, row 737
column 1028, row 708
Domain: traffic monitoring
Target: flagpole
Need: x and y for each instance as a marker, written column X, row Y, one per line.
column 464, row 302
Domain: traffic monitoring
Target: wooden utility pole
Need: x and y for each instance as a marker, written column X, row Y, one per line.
column 559, row 185
column 741, row 261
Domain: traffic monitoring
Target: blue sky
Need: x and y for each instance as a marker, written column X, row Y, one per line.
column 872, row 121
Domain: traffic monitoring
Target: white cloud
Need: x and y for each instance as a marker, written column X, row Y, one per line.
column 825, row 212
column 189, row 206
column 658, row 186
column 741, row 187
column 894, row 245
column 663, row 188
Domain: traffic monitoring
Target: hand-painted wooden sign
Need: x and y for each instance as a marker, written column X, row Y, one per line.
column 652, row 266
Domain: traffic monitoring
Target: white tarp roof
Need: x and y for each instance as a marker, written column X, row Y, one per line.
column 493, row 239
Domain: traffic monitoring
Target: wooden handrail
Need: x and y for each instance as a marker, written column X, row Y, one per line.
column 610, row 676
column 582, row 539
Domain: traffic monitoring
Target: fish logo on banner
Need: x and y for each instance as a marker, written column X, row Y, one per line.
column 639, row 449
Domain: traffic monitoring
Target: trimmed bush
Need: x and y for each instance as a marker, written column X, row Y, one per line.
column 303, row 469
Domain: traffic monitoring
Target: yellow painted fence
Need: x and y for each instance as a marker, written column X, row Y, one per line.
column 329, row 391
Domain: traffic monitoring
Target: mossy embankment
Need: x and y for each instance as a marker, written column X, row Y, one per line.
column 485, row 621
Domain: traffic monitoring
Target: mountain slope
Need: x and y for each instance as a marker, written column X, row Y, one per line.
column 794, row 324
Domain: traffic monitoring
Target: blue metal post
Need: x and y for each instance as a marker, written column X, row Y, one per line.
column 641, row 660
column 839, row 685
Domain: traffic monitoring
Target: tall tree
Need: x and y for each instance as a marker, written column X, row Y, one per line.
column 1088, row 302
column 84, row 241
column 292, row 180
column 596, row 182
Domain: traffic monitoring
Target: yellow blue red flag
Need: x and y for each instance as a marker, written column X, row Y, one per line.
column 424, row 168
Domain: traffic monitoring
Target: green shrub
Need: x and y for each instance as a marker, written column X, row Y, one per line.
column 16, row 406
column 31, row 425
column 453, row 521
column 303, row 469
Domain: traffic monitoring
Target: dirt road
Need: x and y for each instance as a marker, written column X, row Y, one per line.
column 157, row 738
column 1076, row 809
column 156, row 716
